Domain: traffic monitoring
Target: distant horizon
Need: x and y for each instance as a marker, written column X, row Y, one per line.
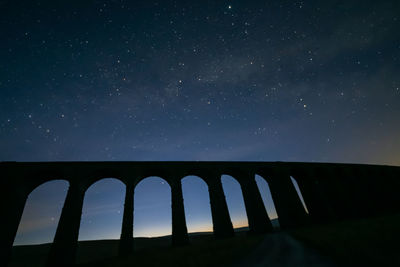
column 170, row 235
column 103, row 208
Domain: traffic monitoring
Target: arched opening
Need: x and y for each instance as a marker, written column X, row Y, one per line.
column 102, row 210
column 38, row 223
column 152, row 208
column 41, row 213
column 299, row 193
column 235, row 202
column 266, row 196
column 197, row 205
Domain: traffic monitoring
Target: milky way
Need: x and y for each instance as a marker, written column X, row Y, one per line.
column 201, row 80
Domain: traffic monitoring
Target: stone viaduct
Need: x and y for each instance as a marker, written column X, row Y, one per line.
column 331, row 192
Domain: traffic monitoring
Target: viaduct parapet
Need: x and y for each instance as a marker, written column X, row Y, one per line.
column 330, row 191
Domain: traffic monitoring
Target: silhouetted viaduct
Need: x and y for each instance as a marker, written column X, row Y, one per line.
column 331, row 192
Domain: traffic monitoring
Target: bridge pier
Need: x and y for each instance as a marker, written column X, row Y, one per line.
column 12, row 206
column 257, row 216
column 288, row 206
column 349, row 203
column 126, row 240
column 314, row 195
column 390, row 203
column 363, row 191
column 222, row 224
column 338, row 191
column 379, row 198
column 63, row 249
column 179, row 229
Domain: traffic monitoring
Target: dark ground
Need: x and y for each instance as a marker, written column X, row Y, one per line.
column 368, row 242
column 372, row 242
column 202, row 251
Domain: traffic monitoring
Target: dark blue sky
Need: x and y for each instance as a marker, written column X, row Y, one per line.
column 199, row 80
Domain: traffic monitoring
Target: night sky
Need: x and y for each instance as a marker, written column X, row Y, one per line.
column 195, row 80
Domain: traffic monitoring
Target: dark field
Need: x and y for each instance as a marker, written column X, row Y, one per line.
column 369, row 242
column 204, row 250
column 372, row 242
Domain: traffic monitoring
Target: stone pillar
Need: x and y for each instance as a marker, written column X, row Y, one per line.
column 257, row 216
column 315, row 196
column 388, row 183
column 375, row 192
column 288, row 205
column 126, row 241
column 362, row 192
column 12, row 206
column 179, row 229
column 63, row 249
column 336, row 191
column 348, row 192
column 222, row 224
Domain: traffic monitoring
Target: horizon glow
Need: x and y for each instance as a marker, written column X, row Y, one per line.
column 103, row 208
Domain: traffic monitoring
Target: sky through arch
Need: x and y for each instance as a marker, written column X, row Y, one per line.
column 152, row 208
column 40, row 217
column 234, row 200
column 103, row 207
column 265, row 192
column 197, row 204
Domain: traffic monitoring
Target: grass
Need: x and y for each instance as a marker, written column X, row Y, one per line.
column 368, row 242
column 204, row 250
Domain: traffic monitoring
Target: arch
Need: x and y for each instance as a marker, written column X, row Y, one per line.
column 41, row 178
column 142, row 178
column 102, row 210
column 42, row 212
column 97, row 176
column 296, row 186
column 234, row 200
column 152, row 208
column 269, row 205
column 196, row 204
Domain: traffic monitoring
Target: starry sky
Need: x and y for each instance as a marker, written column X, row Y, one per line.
column 193, row 80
